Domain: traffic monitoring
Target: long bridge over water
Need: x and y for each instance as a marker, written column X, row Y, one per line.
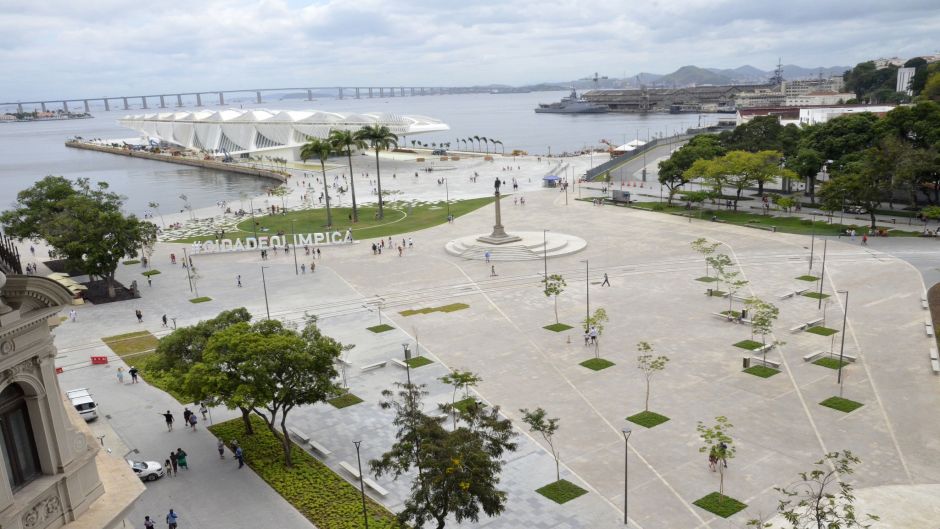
column 175, row 100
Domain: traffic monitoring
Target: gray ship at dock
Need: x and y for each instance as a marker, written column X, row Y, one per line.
column 572, row 104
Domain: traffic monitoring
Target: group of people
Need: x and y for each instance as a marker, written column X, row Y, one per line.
column 590, row 336
column 377, row 247
column 134, row 373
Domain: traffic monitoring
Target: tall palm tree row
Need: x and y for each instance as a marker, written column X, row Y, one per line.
column 477, row 139
column 379, row 137
column 343, row 141
column 486, row 143
column 320, row 148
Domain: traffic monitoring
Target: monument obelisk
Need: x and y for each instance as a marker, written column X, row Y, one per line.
column 499, row 235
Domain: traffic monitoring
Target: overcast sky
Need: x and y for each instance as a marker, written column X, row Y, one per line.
column 53, row 48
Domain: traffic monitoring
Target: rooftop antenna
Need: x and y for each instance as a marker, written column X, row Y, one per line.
column 777, row 78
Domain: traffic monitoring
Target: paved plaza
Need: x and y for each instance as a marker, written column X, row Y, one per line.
column 779, row 427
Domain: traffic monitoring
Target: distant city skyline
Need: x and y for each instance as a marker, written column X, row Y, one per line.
column 106, row 47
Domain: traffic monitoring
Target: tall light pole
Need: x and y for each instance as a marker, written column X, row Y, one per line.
column 362, row 488
column 812, row 244
column 264, row 285
column 587, row 291
column 186, row 265
column 545, row 254
column 626, row 471
column 845, row 316
column 822, row 276
column 447, row 195
column 293, row 244
column 407, row 358
column 254, row 224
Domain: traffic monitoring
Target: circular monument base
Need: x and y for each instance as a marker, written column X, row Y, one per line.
column 529, row 246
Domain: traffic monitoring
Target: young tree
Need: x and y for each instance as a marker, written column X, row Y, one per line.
column 717, row 441
column 740, row 170
column 672, row 170
column 458, row 471
column 702, row 246
column 735, row 284
column 281, row 192
column 763, row 316
column 460, row 380
column 554, row 285
column 596, row 321
column 720, row 264
column 156, row 207
column 649, row 365
column 857, row 184
column 820, row 499
column 539, row 423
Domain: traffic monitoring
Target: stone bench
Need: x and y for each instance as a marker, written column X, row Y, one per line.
column 300, row 435
column 763, row 349
column 772, row 363
column 399, row 363
column 376, row 365
column 923, row 302
column 724, row 316
column 935, row 360
column 806, row 325
column 786, row 295
column 368, row 482
column 928, row 327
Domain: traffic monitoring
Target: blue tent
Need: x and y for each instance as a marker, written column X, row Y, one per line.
column 551, row 180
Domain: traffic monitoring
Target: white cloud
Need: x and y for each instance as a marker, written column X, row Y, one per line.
column 58, row 48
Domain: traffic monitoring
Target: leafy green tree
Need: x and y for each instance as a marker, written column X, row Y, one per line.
column 156, row 207
column 539, row 423
column 649, row 366
column 380, row 138
column 735, row 283
column 841, row 138
column 821, row 499
column 740, row 170
column 344, row 141
column 717, row 441
column 597, row 321
column 458, row 471
column 858, row 184
column 785, row 203
column 269, row 369
column 672, row 170
column 83, row 224
column 807, row 163
column 321, row 149
column 720, row 264
column 763, row 316
column 931, row 91
column 554, row 285
column 460, row 380
column 702, row 246
column 866, row 80
column 763, row 133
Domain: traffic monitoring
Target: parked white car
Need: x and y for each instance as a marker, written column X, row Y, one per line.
column 147, row 470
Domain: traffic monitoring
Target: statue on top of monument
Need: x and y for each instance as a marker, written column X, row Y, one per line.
column 496, row 184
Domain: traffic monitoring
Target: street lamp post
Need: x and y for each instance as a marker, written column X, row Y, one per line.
column 362, row 488
column 447, row 195
column 822, row 276
column 264, row 285
column 293, row 237
column 587, row 291
column 812, row 244
column 186, row 265
column 407, row 358
column 626, row 471
column 845, row 316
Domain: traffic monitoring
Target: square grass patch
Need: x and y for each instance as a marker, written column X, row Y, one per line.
column 149, row 273
column 453, row 307
column 717, row 293
column 706, row 279
column 596, row 364
column 558, row 327
column 750, row 345
column 344, row 401
column 131, row 343
column 761, row 371
column 201, row 299
column 719, row 504
column 561, row 491
column 808, row 278
column 380, row 328
column 418, row 361
column 648, row 419
column 840, row 404
column 132, row 261
column 464, row 404
column 731, row 313
column 830, row 362
column 815, row 295
column 822, row 331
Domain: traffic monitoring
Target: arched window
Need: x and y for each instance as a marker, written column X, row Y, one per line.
column 20, row 458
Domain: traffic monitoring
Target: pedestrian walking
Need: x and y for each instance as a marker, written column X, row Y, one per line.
column 313, row 266
column 587, row 337
column 864, row 240
column 318, row 253
column 399, row 251
column 492, row 270
column 181, row 459
column 164, row 320
column 486, row 256
column 594, row 335
column 240, row 456
column 221, row 446
column 203, row 410
column 168, row 467
column 173, row 463
column 120, row 375
column 606, row 280
column 168, row 417
column 186, row 414
column 140, row 316
column 238, row 280
column 171, row 519
column 148, row 523
column 149, row 282
column 303, row 268
column 193, row 421
column 73, row 315
column 133, row 371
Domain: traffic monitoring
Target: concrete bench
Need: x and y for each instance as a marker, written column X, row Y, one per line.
column 763, row 349
column 305, row 439
column 758, row 360
column 786, row 295
column 399, row 363
column 319, row 448
column 935, row 364
column 933, row 353
column 813, row 356
column 345, row 362
column 299, row 434
column 723, row 316
column 928, row 327
column 376, row 365
column 801, row 291
column 798, row 328
column 368, row 482
column 923, row 301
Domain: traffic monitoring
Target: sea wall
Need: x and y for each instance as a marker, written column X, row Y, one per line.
column 195, row 162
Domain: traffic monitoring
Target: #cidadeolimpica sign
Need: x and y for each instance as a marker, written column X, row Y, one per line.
column 265, row 242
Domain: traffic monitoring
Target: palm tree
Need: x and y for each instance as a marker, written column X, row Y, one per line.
column 470, row 141
column 477, row 138
column 412, row 143
column 484, row 140
column 320, row 148
column 345, row 140
column 379, row 137
column 501, row 147
column 464, row 144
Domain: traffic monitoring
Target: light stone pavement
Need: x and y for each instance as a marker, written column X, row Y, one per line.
column 779, row 427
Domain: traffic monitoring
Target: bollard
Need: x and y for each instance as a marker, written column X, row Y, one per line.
column 747, row 362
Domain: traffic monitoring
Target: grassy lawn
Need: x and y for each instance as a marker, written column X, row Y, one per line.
column 720, row 505
column 750, row 345
column 380, row 328
column 822, row 331
column 200, row 299
column 840, row 404
column 322, row 496
column 706, row 279
column 400, row 217
column 808, row 278
column 596, row 364
column 453, row 307
column 132, row 344
column 761, row 371
column 717, row 293
column 732, row 313
column 783, row 223
column 462, row 405
column 815, row 295
column 561, row 491
column 149, row 273
column 419, row 361
column 132, row 261
column 344, row 401
column 830, row 362
column 648, row 419
column 558, row 327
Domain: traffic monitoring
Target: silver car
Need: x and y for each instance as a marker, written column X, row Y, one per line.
column 147, row 470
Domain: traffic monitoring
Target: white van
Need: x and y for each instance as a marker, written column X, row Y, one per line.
column 86, row 406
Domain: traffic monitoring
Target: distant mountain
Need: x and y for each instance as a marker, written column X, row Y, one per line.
column 692, row 75
column 746, row 74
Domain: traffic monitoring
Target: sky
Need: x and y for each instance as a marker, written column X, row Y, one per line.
column 66, row 49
